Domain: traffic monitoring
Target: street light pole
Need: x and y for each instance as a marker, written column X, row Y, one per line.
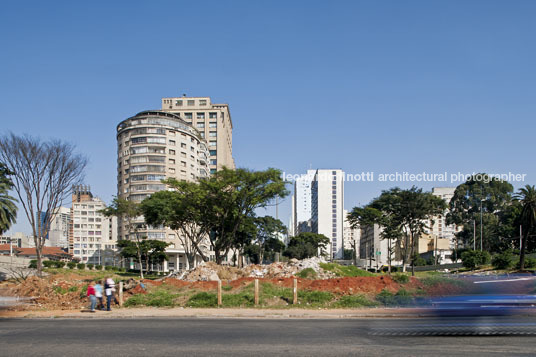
column 481, row 223
column 474, row 234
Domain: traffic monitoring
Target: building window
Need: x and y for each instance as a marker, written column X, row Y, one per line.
column 212, row 152
column 213, row 115
column 212, row 134
column 188, row 115
column 212, row 143
column 202, row 135
column 202, row 102
column 171, row 152
column 200, row 116
column 172, row 142
column 213, row 162
column 212, row 125
column 190, row 102
column 178, row 103
column 200, row 125
column 183, row 145
column 172, row 161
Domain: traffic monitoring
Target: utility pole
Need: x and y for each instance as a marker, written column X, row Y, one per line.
column 481, row 200
column 435, row 252
column 474, row 234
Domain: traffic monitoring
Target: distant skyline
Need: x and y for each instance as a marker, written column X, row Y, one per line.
column 363, row 86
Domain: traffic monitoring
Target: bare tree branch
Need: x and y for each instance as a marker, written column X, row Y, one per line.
column 44, row 173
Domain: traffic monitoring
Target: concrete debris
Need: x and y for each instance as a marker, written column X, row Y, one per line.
column 210, row 271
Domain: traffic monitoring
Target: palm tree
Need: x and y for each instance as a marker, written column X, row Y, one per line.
column 527, row 196
column 8, row 208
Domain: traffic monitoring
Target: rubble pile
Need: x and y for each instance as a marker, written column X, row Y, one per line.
column 211, row 271
column 50, row 293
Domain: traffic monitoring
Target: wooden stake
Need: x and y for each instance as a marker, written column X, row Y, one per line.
column 256, row 291
column 120, row 293
column 219, row 292
column 295, row 300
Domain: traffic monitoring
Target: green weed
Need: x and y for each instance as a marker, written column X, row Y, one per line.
column 355, row 301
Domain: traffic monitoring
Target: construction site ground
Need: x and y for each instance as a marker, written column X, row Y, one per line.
column 345, row 291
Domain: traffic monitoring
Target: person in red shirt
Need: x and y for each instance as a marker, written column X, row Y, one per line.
column 92, row 297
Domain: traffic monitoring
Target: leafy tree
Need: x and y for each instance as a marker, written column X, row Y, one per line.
column 43, row 175
column 348, row 254
column 183, row 211
column 503, row 260
column 128, row 214
column 474, row 258
column 527, row 196
column 273, row 246
column 403, row 215
column 243, row 238
column 154, row 251
column 232, row 196
column 8, row 207
column 268, row 230
column 489, row 196
column 368, row 216
column 253, row 252
column 306, row 245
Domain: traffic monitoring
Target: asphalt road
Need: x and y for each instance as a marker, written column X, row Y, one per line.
column 258, row 337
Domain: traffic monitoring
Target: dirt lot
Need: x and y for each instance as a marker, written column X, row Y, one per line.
column 65, row 289
column 67, row 292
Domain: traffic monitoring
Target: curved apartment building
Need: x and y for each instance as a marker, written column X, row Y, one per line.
column 151, row 146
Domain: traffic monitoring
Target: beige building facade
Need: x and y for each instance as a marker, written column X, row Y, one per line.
column 92, row 236
column 214, row 123
column 152, row 146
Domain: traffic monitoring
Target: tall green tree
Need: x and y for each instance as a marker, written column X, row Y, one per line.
column 8, row 207
column 268, row 230
column 306, row 245
column 481, row 198
column 527, row 196
column 128, row 214
column 183, row 210
column 155, row 251
column 403, row 217
column 232, row 197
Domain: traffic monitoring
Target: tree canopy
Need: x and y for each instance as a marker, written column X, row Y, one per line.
column 488, row 200
column 306, row 245
column 403, row 216
column 527, row 196
column 8, row 207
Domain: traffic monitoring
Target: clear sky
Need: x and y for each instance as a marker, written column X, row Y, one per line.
column 380, row 86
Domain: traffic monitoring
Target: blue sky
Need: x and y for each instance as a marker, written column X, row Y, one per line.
column 379, row 86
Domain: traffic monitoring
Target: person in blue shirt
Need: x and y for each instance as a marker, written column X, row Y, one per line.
column 98, row 294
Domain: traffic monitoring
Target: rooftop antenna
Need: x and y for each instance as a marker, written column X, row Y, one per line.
column 184, row 94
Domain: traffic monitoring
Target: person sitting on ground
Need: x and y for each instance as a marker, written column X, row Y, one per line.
column 91, row 295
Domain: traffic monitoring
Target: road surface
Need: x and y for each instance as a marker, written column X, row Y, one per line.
column 256, row 337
